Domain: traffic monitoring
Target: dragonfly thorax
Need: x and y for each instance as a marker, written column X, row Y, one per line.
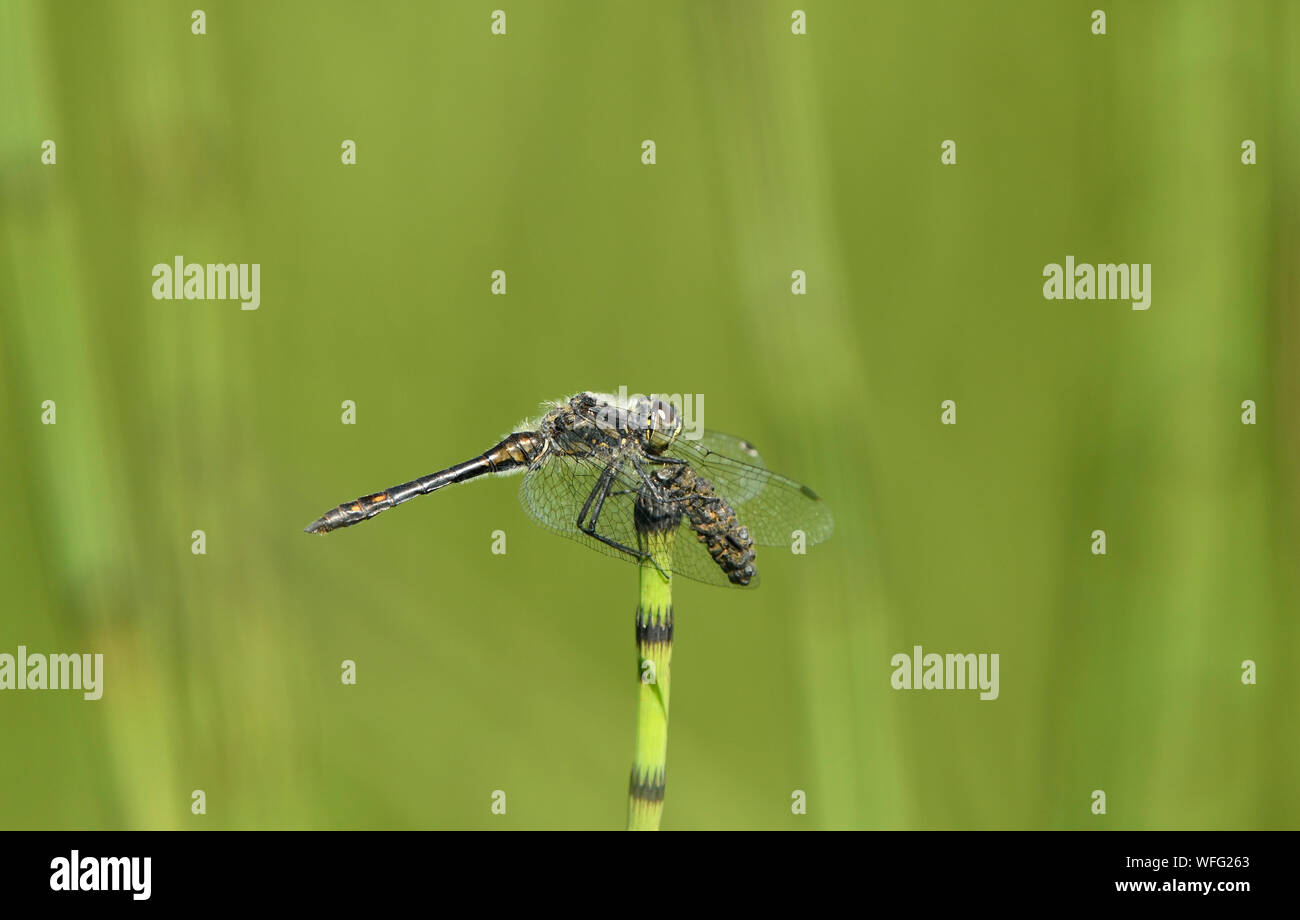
column 653, row 423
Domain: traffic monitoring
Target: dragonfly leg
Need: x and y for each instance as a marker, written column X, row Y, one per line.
column 604, row 486
column 655, row 485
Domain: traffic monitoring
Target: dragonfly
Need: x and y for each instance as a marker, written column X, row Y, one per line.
column 599, row 470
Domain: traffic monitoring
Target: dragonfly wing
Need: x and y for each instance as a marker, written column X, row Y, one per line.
column 554, row 492
column 728, row 445
column 772, row 506
column 556, row 489
column 712, row 443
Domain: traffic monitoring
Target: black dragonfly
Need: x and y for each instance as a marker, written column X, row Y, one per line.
column 594, row 463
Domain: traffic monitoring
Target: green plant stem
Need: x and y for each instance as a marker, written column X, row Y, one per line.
column 654, row 637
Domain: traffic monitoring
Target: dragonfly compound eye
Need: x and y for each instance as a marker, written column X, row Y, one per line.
column 664, row 425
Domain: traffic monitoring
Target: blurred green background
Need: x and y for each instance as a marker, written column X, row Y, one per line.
column 775, row 152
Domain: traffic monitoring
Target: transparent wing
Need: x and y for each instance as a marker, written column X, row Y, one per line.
column 556, row 489
column 772, row 506
column 729, row 446
column 712, row 442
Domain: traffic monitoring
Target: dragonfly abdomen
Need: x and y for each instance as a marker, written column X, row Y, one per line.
column 519, row 449
column 717, row 527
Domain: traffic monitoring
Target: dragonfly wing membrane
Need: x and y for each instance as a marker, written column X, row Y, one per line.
column 555, row 492
column 772, row 506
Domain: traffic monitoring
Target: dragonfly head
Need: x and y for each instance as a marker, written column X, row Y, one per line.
column 660, row 424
